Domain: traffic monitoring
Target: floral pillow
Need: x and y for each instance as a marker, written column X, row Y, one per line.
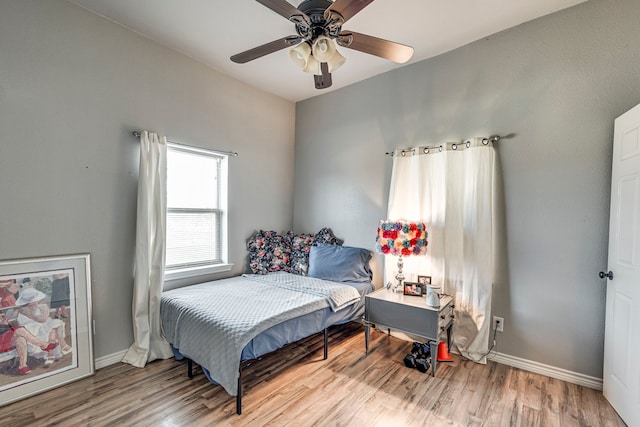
column 269, row 251
column 301, row 245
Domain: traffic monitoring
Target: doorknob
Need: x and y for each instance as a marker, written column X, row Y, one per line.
column 608, row 275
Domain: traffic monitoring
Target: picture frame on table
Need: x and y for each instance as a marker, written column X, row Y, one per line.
column 37, row 355
column 424, row 281
column 413, row 289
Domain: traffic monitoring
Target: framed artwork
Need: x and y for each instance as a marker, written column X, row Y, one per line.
column 413, row 288
column 425, row 280
column 46, row 334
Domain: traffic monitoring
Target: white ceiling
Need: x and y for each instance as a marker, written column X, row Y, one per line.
column 210, row 31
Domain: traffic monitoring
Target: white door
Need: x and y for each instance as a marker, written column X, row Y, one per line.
column 621, row 379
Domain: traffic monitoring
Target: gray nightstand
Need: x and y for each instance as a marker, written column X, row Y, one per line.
column 409, row 314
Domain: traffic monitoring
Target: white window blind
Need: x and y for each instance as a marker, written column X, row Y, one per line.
column 196, row 208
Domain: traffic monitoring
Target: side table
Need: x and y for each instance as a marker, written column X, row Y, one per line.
column 409, row 314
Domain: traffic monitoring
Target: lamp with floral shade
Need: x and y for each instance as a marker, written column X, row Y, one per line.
column 401, row 238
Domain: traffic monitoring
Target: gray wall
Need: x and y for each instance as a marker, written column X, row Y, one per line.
column 72, row 88
column 557, row 84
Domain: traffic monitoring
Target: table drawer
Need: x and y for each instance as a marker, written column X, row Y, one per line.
column 410, row 319
column 445, row 317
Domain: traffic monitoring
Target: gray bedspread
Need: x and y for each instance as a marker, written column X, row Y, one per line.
column 211, row 323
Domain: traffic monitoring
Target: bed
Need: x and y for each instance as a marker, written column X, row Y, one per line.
column 221, row 325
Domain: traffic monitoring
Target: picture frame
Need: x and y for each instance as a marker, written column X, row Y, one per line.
column 37, row 355
column 413, row 289
column 425, row 280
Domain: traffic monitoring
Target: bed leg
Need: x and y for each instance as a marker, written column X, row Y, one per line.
column 239, row 395
column 326, row 343
column 190, row 368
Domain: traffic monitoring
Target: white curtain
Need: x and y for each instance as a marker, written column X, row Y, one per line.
column 452, row 191
column 150, row 253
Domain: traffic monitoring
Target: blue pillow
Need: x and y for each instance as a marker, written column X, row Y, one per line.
column 340, row 263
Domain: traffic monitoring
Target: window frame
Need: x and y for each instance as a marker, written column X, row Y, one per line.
column 199, row 269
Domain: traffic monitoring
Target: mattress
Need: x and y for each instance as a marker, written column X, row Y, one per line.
column 217, row 324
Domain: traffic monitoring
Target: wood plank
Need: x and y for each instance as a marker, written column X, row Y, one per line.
column 295, row 386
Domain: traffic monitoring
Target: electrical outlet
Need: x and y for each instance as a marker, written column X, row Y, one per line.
column 498, row 323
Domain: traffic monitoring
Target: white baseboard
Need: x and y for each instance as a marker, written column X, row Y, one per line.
column 524, row 364
column 505, row 359
column 110, row 359
column 550, row 371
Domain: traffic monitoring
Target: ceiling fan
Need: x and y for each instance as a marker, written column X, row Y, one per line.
column 318, row 25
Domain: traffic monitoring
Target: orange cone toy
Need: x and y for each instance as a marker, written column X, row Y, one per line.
column 443, row 353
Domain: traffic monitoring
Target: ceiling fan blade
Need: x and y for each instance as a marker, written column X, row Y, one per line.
column 282, row 7
column 392, row 51
column 346, row 8
column 265, row 49
column 323, row 80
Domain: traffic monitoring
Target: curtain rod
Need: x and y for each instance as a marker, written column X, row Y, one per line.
column 137, row 134
column 485, row 141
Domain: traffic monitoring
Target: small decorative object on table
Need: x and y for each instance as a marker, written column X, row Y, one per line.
column 401, row 238
column 413, row 288
column 425, row 280
column 433, row 295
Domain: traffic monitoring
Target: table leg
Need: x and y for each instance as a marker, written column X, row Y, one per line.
column 434, row 356
column 367, row 328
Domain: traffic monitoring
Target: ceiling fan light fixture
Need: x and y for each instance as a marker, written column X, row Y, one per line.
column 313, row 66
column 318, row 25
column 301, row 54
column 324, row 50
column 336, row 62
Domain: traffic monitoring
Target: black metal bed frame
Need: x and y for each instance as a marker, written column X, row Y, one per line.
column 247, row 363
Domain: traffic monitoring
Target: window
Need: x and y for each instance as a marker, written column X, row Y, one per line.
column 196, row 212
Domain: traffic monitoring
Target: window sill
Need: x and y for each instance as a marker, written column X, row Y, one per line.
column 196, row 271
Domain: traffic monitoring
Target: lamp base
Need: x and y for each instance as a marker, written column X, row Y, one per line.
column 399, row 276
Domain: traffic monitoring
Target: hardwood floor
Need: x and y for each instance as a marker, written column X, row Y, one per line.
column 294, row 386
